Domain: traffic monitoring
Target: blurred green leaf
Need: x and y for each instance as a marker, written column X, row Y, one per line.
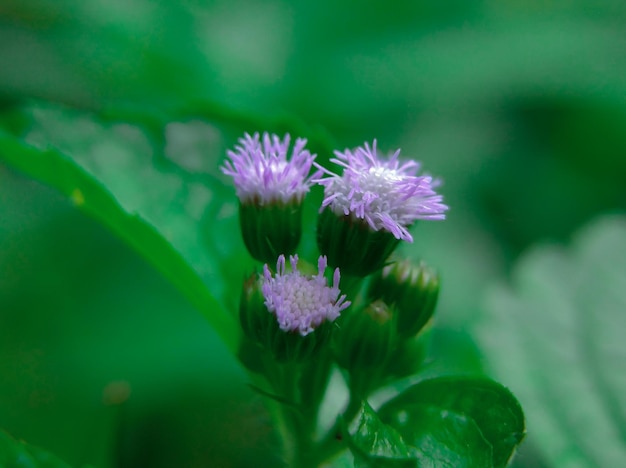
column 18, row 454
column 556, row 336
column 83, row 317
column 377, row 444
column 458, row 421
column 155, row 208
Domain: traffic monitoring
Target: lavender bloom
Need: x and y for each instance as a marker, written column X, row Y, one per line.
column 261, row 172
column 387, row 195
column 301, row 303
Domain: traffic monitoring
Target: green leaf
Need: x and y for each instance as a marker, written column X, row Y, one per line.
column 166, row 194
column 444, row 438
column 376, row 444
column 464, row 421
column 18, row 454
column 556, row 336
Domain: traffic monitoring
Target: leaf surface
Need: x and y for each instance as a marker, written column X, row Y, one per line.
column 556, row 335
column 18, row 454
column 162, row 197
column 459, row 421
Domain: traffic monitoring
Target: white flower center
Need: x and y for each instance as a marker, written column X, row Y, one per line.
column 368, row 193
column 302, row 297
column 380, row 172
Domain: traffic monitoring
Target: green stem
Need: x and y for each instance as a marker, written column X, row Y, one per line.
column 281, row 412
column 295, row 429
column 298, row 390
column 332, row 444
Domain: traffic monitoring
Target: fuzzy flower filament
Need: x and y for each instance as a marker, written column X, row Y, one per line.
column 301, row 303
column 263, row 173
column 385, row 194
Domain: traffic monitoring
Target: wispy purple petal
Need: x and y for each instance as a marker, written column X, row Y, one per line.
column 263, row 173
column 387, row 193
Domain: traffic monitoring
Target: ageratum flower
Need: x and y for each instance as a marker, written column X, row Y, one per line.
column 270, row 187
column 369, row 208
column 384, row 193
column 301, row 303
column 263, row 174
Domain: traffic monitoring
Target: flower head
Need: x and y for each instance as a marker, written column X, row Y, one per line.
column 386, row 194
column 262, row 173
column 302, row 303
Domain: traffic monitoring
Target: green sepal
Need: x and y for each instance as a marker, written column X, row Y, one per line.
column 254, row 317
column 293, row 347
column 270, row 230
column 352, row 245
column 413, row 290
column 408, row 358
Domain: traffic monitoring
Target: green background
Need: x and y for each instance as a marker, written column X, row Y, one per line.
column 519, row 106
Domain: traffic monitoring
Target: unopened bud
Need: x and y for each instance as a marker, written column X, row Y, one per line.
column 412, row 291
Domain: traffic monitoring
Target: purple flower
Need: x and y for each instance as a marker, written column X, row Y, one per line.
column 261, row 172
column 386, row 194
column 302, row 303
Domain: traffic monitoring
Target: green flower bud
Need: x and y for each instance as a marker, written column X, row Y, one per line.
column 366, row 339
column 253, row 315
column 410, row 355
column 352, row 245
column 411, row 290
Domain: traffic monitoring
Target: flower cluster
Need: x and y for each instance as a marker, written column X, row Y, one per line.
column 367, row 210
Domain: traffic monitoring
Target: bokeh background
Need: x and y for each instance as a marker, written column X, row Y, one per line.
column 519, row 106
